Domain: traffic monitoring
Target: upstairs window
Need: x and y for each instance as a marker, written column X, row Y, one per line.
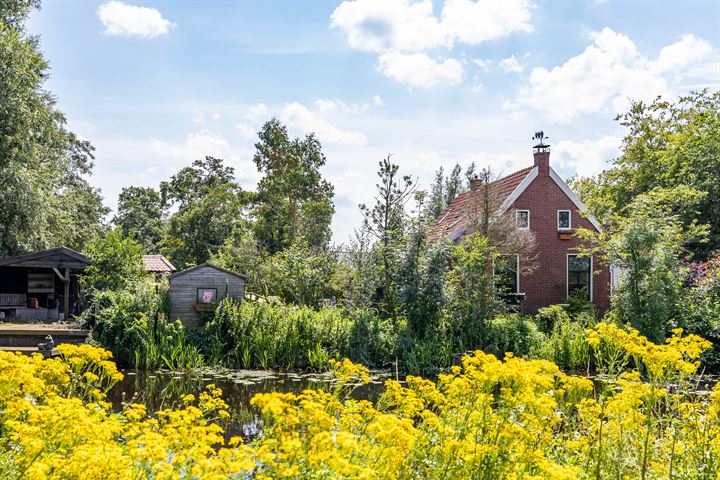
column 564, row 221
column 523, row 219
column 579, row 275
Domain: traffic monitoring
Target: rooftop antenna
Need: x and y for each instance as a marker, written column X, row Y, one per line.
column 541, row 145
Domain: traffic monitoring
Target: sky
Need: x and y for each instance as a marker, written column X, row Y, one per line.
column 155, row 84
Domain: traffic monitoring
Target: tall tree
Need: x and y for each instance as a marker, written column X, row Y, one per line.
column 386, row 221
column 444, row 190
column 294, row 203
column 668, row 144
column 140, row 216
column 210, row 206
column 45, row 199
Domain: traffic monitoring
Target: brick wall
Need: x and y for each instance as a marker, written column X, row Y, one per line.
column 548, row 282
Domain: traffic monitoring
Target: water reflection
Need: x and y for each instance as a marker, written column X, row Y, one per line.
column 162, row 389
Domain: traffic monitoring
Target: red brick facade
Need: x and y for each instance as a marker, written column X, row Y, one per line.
column 542, row 193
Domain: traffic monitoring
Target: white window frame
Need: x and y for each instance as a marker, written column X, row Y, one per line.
column 569, row 227
column 567, row 275
column 517, row 215
column 517, row 272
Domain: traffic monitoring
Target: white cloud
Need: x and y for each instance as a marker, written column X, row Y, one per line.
column 389, row 25
column 606, row 75
column 477, row 88
column 257, row 112
column 196, row 145
column 688, row 50
column 474, row 22
column 216, row 116
column 122, row 19
column 296, row 115
column 419, row 70
column 400, row 31
column 332, row 105
column 511, row 64
column 245, row 130
column 405, row 26
column 482, row 64
column 584, row 158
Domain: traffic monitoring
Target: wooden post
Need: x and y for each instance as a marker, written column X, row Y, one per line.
column 66, row 281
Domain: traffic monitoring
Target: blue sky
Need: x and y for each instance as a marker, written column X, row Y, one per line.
column 156, row 84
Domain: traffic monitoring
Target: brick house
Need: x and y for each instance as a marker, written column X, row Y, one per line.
column 542, row 203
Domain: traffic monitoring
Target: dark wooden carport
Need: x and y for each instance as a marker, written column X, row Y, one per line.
column 61, row 260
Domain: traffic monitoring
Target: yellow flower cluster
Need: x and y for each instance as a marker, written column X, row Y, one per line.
column 486, row 419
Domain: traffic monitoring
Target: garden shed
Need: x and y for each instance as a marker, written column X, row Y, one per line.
column 198, row 289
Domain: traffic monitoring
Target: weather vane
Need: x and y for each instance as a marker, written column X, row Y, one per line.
column 540, row 137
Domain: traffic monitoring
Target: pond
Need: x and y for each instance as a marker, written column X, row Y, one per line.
column 163, row 389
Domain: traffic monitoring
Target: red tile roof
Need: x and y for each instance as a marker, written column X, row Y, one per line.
column 452, row 220
column 157, row 264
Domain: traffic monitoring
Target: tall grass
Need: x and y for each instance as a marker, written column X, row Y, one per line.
column 266, row 335
column 132, row 323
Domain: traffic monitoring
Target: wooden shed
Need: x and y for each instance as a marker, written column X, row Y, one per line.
column 198, row 289
column 41, row 286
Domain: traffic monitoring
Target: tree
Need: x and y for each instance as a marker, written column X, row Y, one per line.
column 45, row 199
column 210, row 205
column 646, row 246
column 116, row 263
column 485, row 217
column 471, row 289
column 293, row 203
column 668, row 144
column 444, row 190
column 140, row 216
column 386, row 222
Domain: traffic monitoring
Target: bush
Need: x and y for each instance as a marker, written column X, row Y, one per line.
column 133, row 324
column 566, row 343
column 274, row 335
column 512, row 333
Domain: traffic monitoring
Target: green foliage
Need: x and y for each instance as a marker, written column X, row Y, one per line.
column 303, row 275
column 209, row 208
column 45, row 199
column 668, row 145
column 565, row 342
column 140, row 216
column 116, row 263
column 293, row 203
column 265, row 335
column 511, row 333
column 646, row 245
column 472, row 296
column 386, row 221
column 132, row 322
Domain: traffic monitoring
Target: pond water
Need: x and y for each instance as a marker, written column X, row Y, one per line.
column 163, row 389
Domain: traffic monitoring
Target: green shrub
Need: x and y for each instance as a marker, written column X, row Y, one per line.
column 274, row 335
column 566, row 345
column 133, row 324
column 511, row 333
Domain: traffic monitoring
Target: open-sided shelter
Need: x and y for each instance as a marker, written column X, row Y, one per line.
column 41, row 285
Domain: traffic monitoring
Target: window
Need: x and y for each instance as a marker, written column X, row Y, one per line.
column 563, row 220
column 506, row 272
column 523, row 219
column 579, row 276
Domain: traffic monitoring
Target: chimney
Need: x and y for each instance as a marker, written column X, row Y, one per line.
column 541, row 152
column 475, row 183
column 542, row 161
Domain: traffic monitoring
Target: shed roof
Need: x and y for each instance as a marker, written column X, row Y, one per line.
column 59, row 257
column 158, row 264
column 206, row 264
